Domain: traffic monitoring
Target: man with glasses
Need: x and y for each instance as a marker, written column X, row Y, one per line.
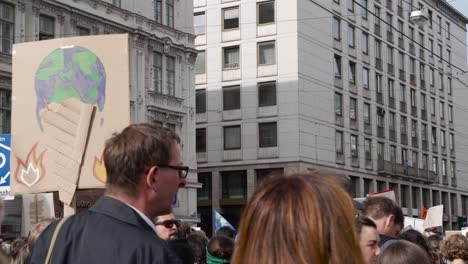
column 166, row 226
column 144, row 171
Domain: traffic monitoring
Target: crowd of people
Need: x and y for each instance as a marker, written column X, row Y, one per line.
column 298, row 218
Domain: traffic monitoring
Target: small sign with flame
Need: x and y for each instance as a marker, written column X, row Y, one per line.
column 99, row 169
column 32, row 170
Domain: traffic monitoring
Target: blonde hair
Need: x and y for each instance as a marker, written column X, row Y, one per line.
column 298, row 219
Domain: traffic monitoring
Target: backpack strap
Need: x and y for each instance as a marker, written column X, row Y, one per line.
column 54, row 238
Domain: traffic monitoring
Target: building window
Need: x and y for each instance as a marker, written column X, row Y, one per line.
column 339, row 142
column 421, row 71
column 450, row 113
column 266, row 12
column 451, row 141
column 368, row 149
column 380, row 150
column 421, row 39
column 200, row 65
column 81, row 31
column 431, row 47
column 350, row 5
column 413, row 97
column 431, row 77
column 448, row 30
column 234, row 184
column 412, row 66
column 7, row 27
column 414, row 128
column 441, row 53
column 266, row 94
column 400, row 29
column 267, row 134
column 232, row 137
column 434, row 164
column 449, row 86
column 452, row 169
column 441, row 81
column 352, row 108
column 377, row 15
column 46, row 27
column 352, row 72
column 403, row 125
column 401, row 60
column 404, row 157
column 170, row 74
column 439, row 28
column 336, row 29
column 364, row 9
column 403, row 93
column 442, row 138
column 365, row 78
column 365, row 43
column 170, row 13
column 231, row 18
column 351, row 36
column 266, row 53
column 199, row 23
column 200, row 101
column 423, row 132
column 338, row 104
column 5, row 111
column 204, row 193
column 231, row 97
column 425, row 162
column 433, row 105
column 449, row 57
column 389, row 22
column 231, row 58
column 116, row 3
column 390, row 55
column 380, row 117
column 354, row 144
column 391, row 89
column 367, row 117
column 378, row 49
column 434, row 135
column 423, row 102
column 411, row 33
column 157, row 71
column 391, row 121
column 441, row 109
column 444, row 168
column 200, row 140
column 337, row 66
column 158, row 11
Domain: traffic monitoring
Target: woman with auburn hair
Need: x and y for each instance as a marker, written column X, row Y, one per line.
column 455, row 249
column 298, row 219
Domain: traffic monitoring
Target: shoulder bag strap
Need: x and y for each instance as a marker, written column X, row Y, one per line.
column 54, row 238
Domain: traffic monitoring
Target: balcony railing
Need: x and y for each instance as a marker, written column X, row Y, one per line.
column 388, row 168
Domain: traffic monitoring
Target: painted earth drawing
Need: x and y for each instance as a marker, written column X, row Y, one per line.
column 70, row 72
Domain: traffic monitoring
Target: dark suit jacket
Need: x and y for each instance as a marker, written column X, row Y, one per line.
column 109, row 232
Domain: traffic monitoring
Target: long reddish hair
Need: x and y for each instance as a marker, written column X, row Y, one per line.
column 298, row 219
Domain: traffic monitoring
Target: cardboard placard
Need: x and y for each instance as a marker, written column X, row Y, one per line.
column 390, row 194
column 434, row 217
column 69, row 96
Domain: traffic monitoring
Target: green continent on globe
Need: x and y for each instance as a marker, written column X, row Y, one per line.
column 86, row 60
column 56, row 67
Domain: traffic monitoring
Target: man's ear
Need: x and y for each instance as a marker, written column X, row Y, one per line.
column 389, row 220
column 150, row 177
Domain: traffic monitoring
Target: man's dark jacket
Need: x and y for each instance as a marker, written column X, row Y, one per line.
column 109, row 232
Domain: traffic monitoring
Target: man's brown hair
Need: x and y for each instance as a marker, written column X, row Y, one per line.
column 379, row 207
column 128, row 154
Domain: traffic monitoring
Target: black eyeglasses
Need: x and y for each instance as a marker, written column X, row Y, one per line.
column 169, row 223
column 183, row 170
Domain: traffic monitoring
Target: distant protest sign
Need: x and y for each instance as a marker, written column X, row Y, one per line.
column 69, row 96
column 390, row 194
column 434, row 217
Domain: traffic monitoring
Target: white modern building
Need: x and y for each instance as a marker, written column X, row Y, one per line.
column 162, row 59
column 347, row 85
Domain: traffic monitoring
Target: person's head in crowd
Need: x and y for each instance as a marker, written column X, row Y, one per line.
column 183, row 230
column 37, row 229
column 226, row 231
column 368, row 239
column 144, row 168
column 417, row 238
column 219, row 249
column 433, row 242
column 455, row 248
column 166, row 226
column 19, row 250
column 403, row 252
column 198, row 242
column 386, row 214
column 299, row 218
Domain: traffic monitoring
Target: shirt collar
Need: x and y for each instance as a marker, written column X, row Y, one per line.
column 147, row 220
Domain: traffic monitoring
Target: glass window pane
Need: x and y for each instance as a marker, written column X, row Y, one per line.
column 266, row 12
